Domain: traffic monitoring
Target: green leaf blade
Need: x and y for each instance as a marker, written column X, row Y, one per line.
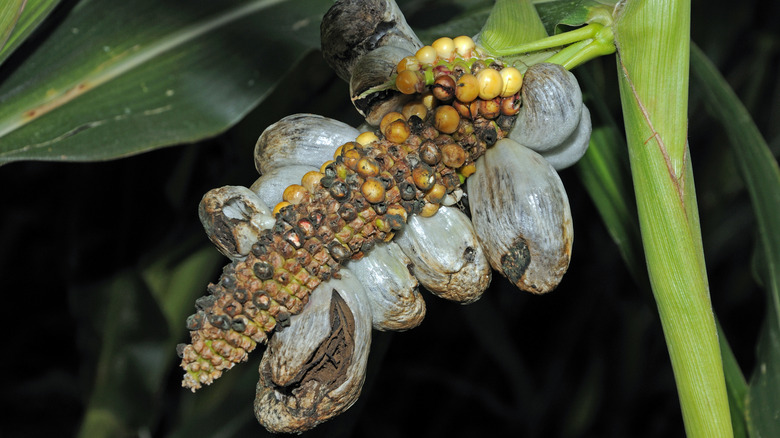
column 759, row 170
column 118, row 89
column 510, row 23
column 18, row 20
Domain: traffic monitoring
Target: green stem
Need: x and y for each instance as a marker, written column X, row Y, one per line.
column 562, row 39
column 570, row 52
column 653, row 40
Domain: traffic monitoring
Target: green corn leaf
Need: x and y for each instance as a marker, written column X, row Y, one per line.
column 735, row 385
column 116, row 79
column 18, row 19
column 130, row 358
column 558, row 13
column 141, row 318
column 759, row 170
column 607, row 180
column 511, row 22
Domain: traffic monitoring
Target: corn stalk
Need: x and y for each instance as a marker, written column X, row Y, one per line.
column 653, row 44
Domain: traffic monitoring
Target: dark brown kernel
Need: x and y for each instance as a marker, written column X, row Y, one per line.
column 195, row 321
column 430, row 153
column 263, row 270
column 340, row 191
column 240, row 295
column 348, row 212
column 205, row 302
column 239, row 324
column 380, row 208
column 261, row 301
column 221, row 322
column 327, row 181
column 338, row 251
column 395, row 221
column 232, row 309
column 283, row 317
column 408, row 190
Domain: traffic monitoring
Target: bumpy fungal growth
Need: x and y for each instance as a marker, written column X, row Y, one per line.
column 417, row 158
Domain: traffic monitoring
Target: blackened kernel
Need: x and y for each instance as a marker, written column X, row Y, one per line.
column 228, row 281
column 340, row 191
column 367, row 245
column 283, row 317
column 238, row 324
column 232, row 309
column 380, row 208
column 327, row 181
column 316, row 218
column 263, row 270
column 261, row 301
column 360, row 203
column 205, row 302
column 180, row 350
column 338, row 252
column 505, row 122
column 289, row 214
column 353, row 181
column 221, row 322
column 348, row 212
column 240, row 295
column 387, row 181
column 399, row 175
column 195, row 321
column 279, row 227
column 259, row 249
column 330, row 171
column 294, row 238
column 416, row 124
column 395, row 221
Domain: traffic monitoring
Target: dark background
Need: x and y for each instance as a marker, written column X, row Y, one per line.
column 586, row 360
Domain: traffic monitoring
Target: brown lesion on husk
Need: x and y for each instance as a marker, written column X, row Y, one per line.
column 316, row 392
column 516, row 260
column 329, row 362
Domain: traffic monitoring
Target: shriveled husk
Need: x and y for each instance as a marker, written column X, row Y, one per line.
column 371, row 92
column 233, row 217
column 352, row 28
column 314, row 369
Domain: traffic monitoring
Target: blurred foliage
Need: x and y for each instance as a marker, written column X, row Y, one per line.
column 104, row 254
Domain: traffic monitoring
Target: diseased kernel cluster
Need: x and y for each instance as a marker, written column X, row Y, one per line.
column 453, row 72
column 417, row 158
